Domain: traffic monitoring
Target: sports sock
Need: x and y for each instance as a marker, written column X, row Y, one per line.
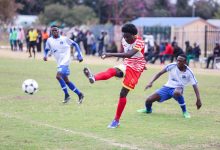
column 105, row 75
column 180, row 100
column 63, row 86
column 121, row 105
column 73, row 88
column 148, row 106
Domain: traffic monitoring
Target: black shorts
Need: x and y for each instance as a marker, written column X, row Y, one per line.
column 32, row 44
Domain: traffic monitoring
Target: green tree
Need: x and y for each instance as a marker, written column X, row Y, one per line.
column 31, row 7
column 161, row 13
column 80, row 15
column 183, row 9
column 163, row 8
column 120, row 11
column 54, row 12
column 217, row 14
column 8, row 10
column 62, row 14
column 206, row 9
column 68, row 3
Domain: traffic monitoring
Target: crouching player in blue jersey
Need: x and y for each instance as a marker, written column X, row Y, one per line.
column 59, row 47
column 179, row 76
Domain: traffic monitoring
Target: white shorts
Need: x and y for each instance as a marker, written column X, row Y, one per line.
column 121, row 67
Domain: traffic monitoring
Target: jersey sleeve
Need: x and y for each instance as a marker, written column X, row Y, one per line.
column 139, row 45
column 193, row 80
column 47, row 48
column 69, row 41
column 73, row 43
column 170, row 66
column 47, row 45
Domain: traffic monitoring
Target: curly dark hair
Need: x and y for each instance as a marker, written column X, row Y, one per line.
column 183, row 55
column 129, row 28
column 54, row 26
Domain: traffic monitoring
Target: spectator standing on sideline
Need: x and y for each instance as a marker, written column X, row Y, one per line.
column 174, row 41
column 84, row 41
column 45, row 36
column 39, row 41
column 196, row 53
column 14, row 38
column 189, row 52
column 21, row 38
column 32, row 39
column 101, row 43
column 11, row 38
column 27, row 40
column 106, row 42
column 216, row 53
column 156, row 52
column 91, row 43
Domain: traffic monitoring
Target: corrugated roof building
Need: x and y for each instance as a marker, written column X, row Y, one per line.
column 193, row 29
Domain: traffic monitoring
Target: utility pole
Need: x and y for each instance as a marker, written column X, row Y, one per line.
column 193, row 8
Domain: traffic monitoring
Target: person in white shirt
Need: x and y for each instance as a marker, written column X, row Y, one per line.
column 59, row 47
column 21, row 38
column 180, row 75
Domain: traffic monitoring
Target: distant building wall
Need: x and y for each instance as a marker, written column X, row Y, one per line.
column 197, row 31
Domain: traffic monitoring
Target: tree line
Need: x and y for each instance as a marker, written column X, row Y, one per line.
column 75, row 12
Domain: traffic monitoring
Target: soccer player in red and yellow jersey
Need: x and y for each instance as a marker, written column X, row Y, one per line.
column 131, row 69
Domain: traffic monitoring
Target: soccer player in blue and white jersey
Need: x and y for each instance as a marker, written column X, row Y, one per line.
column 59, row 47
column 180, row 75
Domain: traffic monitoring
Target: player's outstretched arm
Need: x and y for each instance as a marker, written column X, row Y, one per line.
column 128, row 54
column 45, row 54
column 79, row 56
column 150, row 84
column 198, row 101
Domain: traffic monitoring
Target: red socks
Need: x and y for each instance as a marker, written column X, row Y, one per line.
column 121, row 105
column 111, row 72
column 105, row 75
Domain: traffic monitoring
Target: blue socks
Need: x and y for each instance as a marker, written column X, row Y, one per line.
column 180, row 100
column 70, row 85
column 148, row 107
column 63, row 86
column 73, row 88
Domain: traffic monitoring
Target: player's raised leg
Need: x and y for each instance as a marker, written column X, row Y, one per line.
column 105, row 75
column 89, row 75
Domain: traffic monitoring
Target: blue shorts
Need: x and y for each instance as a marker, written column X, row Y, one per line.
column 64, row 70
column 165, row 93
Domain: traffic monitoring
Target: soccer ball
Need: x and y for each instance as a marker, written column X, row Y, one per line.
column 30, row 86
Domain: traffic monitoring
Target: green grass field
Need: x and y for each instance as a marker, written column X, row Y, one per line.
column 41, row 121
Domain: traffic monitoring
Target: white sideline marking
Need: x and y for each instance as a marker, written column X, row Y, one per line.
column 87, row 135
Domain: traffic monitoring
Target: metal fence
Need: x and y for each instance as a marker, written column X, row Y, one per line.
column 205, row 37
column 159, row 33
column 211, row 37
